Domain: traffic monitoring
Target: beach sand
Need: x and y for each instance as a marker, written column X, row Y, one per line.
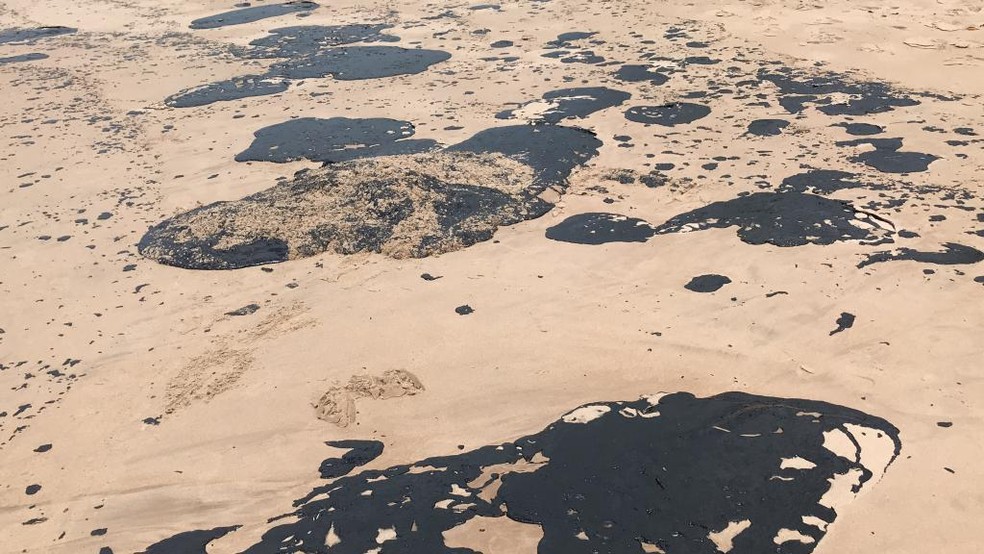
column 777, row 198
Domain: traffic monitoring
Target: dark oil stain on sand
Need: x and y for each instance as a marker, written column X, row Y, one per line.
column 251, row 14
column 465, row 213
column 600, row 228
column 33, row 35
column 787, row 218
column 665, row 472
column 710, row 282
column 336, row 139
column 573, row 103
column 313, row 51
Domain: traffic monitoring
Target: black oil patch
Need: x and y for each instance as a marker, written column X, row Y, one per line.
column 952, row 254
column 251, row 14
column 33, row 35
column 189, row 542
column 798, row 89
column 236, row 88
column 888, row 157
column 639, row 73
column 336, row 139
column 668, row 115
column 360, row 453
column 553, row 151
column 844, row 322
column 573, row 103
column 783, row 219
column 360, row 206
column 354, row 63
column 625, row 477
column 206, row 254
column 707, row 283
column 767, row 127
column 824, row 181
column 861, row 129
column 307, row 40
column 248, row 309
column 31, row 57
column 600, row 228
column 312, row 53
column 565, row 49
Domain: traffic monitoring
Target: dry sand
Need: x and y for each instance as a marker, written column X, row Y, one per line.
column 143, row 409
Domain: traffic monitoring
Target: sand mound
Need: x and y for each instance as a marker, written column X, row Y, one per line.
column 402, row 206
column 337, row 404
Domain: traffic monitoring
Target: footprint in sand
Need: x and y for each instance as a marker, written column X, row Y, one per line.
column 337, row 404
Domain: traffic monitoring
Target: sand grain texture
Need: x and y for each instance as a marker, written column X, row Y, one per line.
column 542, row 212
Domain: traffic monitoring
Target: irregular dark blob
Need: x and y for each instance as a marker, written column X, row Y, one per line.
column 501, row 44
column 429, row 277
column 105, row 550
column 944, row 424
column 344, row 63
column 361, row 203
column 578, row 56
column 637, row 73
column 782, row 219
column 564, row 39
column 707, row 283
column 232, row 89
column 307, row 40
column 574, row 102
column 979, row 279
column 700, row 60
column 966, row 131
column 861, row 129
column 896, row 161
column 353, row 63
column 190, row 253
column 98, row 532
column 152, row 420
column 43, row 448
column 245, row 310
column 767, row 127
column 251, row 14
column 952, row 254
column 404, row 207
column 888, row 158
column 333, row 140
column 33, row 56
column 553, row 151
column 31, row 36
column 600, row 228
column 798, row 89
column 360, row 453
column 844, row 322
column 189, row 542
column 822, row 181
column 464, row 309
column 32, row 489
column 668, row 115
column 619, row 477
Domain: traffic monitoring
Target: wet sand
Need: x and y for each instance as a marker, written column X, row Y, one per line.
column 567, row 276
